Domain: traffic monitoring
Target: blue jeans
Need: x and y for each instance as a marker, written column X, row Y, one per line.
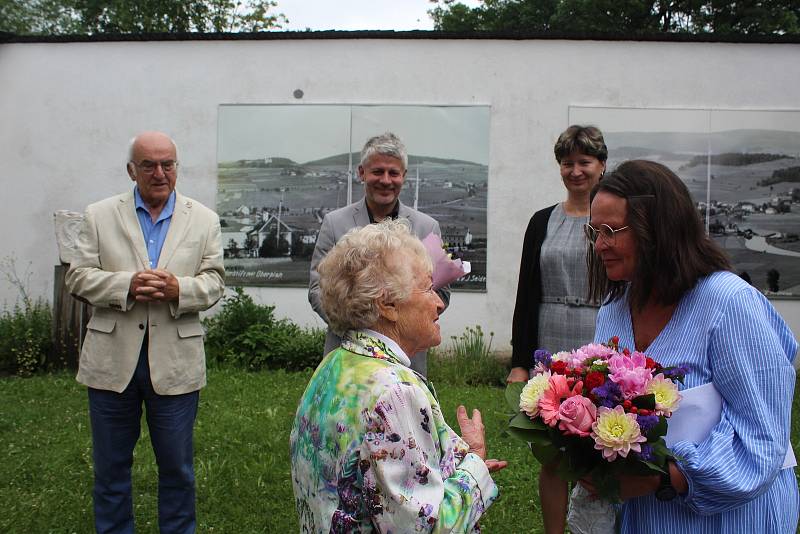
column 116, row 423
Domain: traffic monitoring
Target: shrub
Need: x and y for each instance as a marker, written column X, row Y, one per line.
column 25, row 337
column 468, row 361
column 247, row 335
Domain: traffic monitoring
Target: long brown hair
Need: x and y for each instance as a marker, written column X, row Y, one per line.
column 672, row 248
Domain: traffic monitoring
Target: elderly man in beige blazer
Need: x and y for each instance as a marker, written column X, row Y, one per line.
column 148, row 261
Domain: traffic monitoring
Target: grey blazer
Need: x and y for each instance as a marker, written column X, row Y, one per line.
column 110, row 249
column 337, row 223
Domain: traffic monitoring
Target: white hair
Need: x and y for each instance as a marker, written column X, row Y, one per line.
column 386, row 144
column 365, row 266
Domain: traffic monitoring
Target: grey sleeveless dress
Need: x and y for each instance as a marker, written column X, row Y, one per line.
column 566, row 320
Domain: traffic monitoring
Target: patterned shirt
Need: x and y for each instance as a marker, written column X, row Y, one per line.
column 371, row 451
column 728, row 334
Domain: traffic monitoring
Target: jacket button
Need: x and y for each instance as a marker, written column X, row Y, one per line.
column 141, row 326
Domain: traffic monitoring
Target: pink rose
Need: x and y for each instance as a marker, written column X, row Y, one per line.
column 576, row 416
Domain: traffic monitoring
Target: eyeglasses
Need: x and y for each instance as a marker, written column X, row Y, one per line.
column 149, row 167
column 605, row 231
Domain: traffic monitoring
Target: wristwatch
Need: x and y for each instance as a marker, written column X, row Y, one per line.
column 665, row 491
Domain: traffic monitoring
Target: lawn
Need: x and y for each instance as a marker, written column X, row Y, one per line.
column 242, row 459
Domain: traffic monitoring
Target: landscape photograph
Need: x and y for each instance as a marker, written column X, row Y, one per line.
column 742, row 168
column 282, row 168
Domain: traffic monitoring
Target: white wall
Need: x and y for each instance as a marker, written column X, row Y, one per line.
column 67, row 111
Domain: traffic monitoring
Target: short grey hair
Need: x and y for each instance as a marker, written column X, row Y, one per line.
column 132, row 142
column 582, row 139
column 366, row 266
column 386, row 144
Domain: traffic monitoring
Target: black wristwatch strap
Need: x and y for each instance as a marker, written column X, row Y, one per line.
column 665, row 491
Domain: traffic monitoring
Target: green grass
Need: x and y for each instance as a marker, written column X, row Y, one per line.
column 241, row 457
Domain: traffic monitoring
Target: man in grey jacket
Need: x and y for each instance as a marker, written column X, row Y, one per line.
column 384, row 162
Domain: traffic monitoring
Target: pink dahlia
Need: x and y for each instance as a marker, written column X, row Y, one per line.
column 550, row 401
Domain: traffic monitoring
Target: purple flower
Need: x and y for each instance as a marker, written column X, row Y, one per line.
column 543, row 357
column 647, row 422
column 646, row 453
column 608, row 395
column 676, row 372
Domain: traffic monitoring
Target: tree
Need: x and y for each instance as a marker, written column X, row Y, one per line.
column 272, row 246
column 233, row 248
column 765, row 17
column 773, row 277
column 54, row 17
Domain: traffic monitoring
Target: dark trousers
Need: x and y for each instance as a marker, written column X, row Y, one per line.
column 116, row 424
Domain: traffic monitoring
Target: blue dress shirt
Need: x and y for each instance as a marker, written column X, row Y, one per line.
column 154, row 232
column 730, row 335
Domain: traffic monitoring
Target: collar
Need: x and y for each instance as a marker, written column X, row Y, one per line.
column 166, row 211
column 392, row 215
column 374, row 345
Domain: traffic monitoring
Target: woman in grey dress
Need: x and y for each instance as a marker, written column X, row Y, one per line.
column 552, row 311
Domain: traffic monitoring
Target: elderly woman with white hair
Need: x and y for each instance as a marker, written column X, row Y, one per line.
column 370, row 448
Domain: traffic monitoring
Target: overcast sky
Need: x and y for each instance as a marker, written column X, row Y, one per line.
column 684, row 120
column 359, row 14
column 308, row 132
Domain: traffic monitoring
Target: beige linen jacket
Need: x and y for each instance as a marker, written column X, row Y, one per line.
column 110, row 249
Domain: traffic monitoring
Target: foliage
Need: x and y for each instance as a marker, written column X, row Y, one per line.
column 247, row 335
column 25, row 329
column 273, row 246
column 773, row 276
column 734, row 159
column 621, row 16
column 54, row 17
column 25, row 337
column 790, row 174
column 468, row 361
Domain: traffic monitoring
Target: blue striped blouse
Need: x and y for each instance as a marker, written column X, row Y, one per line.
column 729, row 334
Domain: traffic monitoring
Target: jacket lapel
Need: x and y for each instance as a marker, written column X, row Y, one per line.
column 360, row 215
column 127, row 214
column 406, row 212
column 178, row 226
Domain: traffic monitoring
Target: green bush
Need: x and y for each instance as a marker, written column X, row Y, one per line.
column 25, row 337
column 247, row 335
column 468, row 361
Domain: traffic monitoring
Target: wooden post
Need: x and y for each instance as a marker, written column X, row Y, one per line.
column 69, row 314
column 69, row 322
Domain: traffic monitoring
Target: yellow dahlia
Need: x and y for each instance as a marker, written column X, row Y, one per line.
column 666, row 393
column 616, row 433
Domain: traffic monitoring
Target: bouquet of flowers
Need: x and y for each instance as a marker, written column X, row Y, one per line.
column 445, row 268
column 597, row 411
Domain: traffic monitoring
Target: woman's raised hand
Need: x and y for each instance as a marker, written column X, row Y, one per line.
column 473, row 432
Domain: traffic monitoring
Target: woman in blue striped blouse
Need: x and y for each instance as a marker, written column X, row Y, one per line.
column 668, row 291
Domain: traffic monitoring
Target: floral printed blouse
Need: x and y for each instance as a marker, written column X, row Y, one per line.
column 371, row 451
